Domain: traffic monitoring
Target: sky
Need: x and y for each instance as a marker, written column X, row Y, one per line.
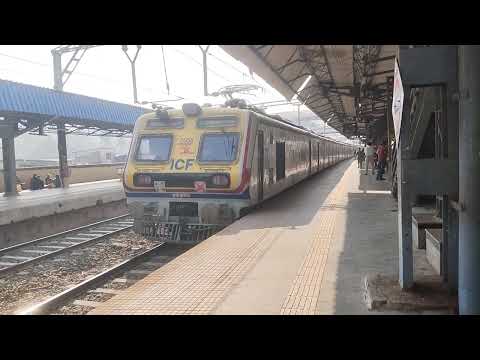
column 105, row 72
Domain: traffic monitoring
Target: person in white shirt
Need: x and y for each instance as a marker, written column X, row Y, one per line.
column 369, row 152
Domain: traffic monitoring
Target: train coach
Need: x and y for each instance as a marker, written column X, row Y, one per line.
column 200, row 168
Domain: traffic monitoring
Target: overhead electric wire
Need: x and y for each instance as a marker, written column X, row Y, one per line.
column 49, row 65
column 233, row 67
column 104, row 79
column 111, row 80
column 200, row 64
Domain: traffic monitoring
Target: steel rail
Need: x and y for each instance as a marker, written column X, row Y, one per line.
column 56, row 301
column 58, row 236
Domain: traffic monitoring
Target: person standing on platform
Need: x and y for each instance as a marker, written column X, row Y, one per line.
column 369, row 151
column 381, row 154
column 360, row 158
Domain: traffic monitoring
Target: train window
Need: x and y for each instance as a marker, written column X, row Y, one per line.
column 271, row 138
column 280, row 160
column 176, row 123
column 219, row 148
column 154, row 148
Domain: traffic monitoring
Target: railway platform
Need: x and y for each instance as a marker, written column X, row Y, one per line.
column 305, row 251
column 38, row 213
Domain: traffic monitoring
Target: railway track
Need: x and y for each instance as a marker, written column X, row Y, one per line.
column 108, row 283
column 18, row 256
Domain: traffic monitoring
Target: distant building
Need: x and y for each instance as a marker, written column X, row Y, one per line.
column 97, row 156
column 120, row 158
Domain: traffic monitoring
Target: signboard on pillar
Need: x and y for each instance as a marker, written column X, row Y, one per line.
column 397, row 103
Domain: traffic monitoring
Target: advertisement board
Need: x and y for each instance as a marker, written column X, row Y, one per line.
column 397, row 102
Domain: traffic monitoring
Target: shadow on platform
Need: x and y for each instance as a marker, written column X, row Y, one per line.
column 369, row 250
column 296, row 199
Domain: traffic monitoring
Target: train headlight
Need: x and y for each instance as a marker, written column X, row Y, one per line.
column 144, row 180
column 220, row 180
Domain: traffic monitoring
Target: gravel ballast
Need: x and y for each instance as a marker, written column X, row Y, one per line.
column 38, row 282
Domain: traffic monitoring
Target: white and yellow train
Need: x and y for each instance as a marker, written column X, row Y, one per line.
column 209, row 165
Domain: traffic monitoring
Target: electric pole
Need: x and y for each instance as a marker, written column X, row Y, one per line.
column 204, row 55
column 132, row 64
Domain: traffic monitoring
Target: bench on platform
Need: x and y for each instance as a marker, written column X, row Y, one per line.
column 420, row 223
column 434, row 239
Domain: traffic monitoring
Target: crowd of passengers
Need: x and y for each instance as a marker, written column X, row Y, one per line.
column 36, row 183
column 375, row 157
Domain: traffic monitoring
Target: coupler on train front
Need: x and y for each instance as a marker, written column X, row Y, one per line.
column 181, row 221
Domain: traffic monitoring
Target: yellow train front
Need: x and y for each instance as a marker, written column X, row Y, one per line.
column 185, row 175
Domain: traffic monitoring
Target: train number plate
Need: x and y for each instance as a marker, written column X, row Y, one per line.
column 159, row 186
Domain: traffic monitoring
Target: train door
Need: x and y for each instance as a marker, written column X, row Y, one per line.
column 324, row 149
column 326, row 154
column 260, row 165
column 309, row 157
column 318, row 156
column 329, row 154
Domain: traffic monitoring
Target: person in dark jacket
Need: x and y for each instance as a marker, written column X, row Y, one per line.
column 57, row 181
column 360, row 158
column 36, row 183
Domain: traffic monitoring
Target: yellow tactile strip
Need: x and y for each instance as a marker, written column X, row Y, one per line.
column 198, row 280
column 305, row 290
column 303, row 294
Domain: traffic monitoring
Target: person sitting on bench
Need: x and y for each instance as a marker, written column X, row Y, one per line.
column 36, row 183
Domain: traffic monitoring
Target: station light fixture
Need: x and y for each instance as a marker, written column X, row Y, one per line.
column 305, row 83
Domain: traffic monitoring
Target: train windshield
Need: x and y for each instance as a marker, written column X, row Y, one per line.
column 219, row 147
column 154, row 148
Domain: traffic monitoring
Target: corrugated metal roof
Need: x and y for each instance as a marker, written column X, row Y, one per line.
column 341, row 77
column 29, row 99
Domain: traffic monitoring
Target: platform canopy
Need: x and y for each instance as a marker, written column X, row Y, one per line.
column 348, row 84
column 31, row 107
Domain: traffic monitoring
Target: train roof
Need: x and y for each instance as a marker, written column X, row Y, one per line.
column 251, row 109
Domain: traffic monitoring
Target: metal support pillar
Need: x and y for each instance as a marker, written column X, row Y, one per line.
column 57, row 71
column 450, row 151
column 205, row 69
column 404, row 199
column 9, row 166
column 134, row 83
column 132, row 66
column 62, row 154
column 469, row 197
column 61, row 136
column 451, row 271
